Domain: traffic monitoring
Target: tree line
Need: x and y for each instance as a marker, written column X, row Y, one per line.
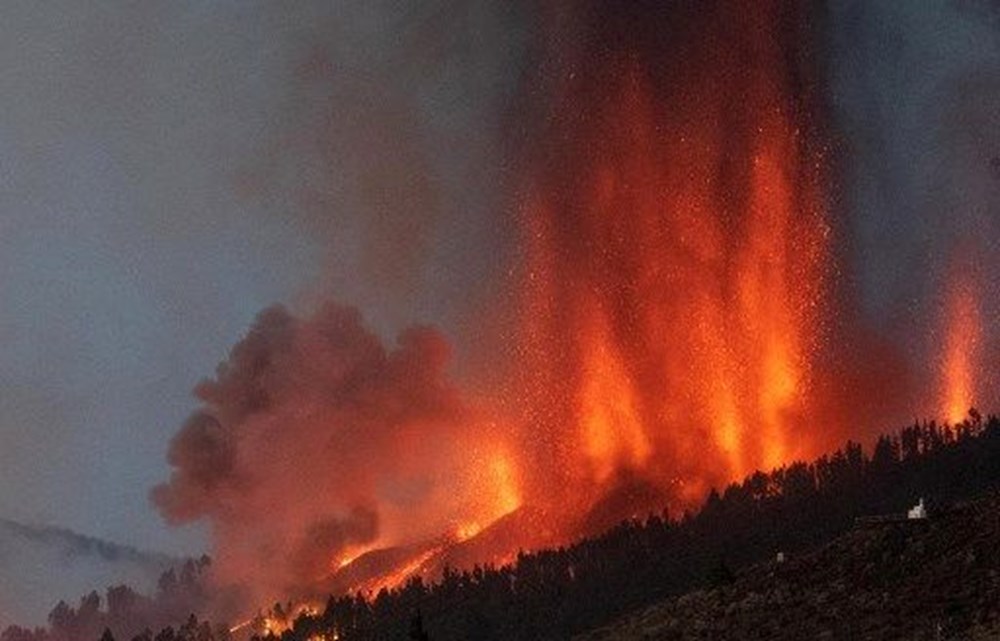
column 556, row 593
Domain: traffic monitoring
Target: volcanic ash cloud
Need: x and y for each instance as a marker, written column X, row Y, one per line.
column 314, row 442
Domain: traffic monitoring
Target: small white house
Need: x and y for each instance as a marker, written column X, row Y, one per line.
column 918, row 511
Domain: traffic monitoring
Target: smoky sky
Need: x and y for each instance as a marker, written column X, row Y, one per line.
column 916, row 93
column 167, row 170
column 915, row 97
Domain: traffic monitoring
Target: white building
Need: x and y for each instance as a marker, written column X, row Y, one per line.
column 918, row 511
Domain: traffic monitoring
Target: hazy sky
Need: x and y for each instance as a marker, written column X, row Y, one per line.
column 169, row 169
column 916, row 90
column 128, row 262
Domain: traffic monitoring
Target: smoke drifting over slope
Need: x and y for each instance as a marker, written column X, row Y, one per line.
column 168, row 170
column 41, row 565
column 315, row 442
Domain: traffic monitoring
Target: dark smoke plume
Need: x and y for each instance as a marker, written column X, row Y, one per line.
column 314, row 438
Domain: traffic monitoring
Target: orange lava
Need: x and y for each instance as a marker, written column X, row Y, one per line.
column 350, row 555
column 961, row 349
column 500, row 493
column 507, row 492
column 676, row 276
column 419, row 565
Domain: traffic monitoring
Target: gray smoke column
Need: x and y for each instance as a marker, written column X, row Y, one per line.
column 390, row 148
column 314, row 440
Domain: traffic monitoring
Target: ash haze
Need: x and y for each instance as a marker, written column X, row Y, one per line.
column 915, row 96
column 915, row 88
column 168, row 170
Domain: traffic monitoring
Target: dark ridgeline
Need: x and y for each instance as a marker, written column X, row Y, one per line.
column 914, row 579
column 554, row 594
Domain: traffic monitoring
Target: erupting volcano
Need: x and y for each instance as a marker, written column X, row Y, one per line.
column 596, row 295
column 680, row 323
column 671, row 297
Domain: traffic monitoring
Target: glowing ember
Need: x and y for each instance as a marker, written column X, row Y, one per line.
column 240, row 626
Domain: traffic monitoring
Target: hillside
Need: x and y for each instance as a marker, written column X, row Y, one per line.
column 41, row 565
column 562, row 592
column 866, row 578
column 934, row 579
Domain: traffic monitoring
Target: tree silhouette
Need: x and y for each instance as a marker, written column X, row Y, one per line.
column 556, row 594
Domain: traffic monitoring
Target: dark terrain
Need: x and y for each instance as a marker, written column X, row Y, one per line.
column 902, row 580
column 931, row 579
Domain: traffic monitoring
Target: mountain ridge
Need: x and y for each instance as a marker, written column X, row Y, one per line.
column 42, row 564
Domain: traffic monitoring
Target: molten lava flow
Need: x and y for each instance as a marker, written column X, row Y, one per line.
column 677, row 256
column 490, row 475
column 418, row 565
column 349, row 556
column 961, row 349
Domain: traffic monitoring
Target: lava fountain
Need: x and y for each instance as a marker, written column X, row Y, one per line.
column 961, row 353
column 677, row 260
